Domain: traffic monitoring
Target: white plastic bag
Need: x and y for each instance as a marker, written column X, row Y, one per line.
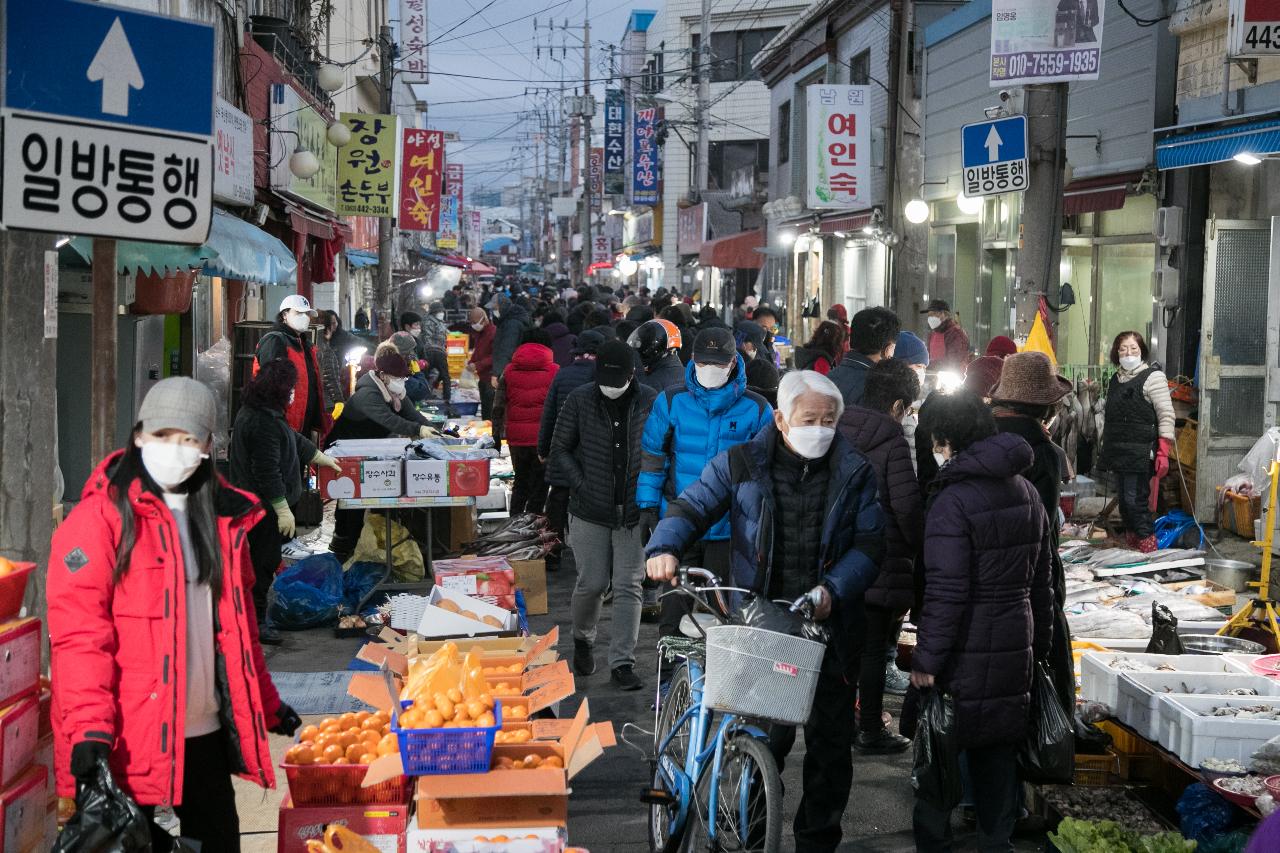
column 1256, row 465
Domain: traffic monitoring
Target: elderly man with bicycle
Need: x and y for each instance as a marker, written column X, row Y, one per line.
column 805, row 523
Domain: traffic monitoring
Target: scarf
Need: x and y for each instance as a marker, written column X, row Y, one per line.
column 391, row 399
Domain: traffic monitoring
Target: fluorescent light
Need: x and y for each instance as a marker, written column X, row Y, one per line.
column 968, row 206
column 1247, row 158
column 62, row 241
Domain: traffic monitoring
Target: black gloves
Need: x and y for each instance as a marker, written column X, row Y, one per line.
column 287, row 721
column 84, row 758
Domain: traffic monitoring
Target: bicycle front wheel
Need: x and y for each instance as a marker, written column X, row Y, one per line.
column 678, row 699
column 748, row 812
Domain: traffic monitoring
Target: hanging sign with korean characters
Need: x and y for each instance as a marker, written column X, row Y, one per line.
column 367, row 166
column 615, row 142
column 421, row 179
column 232, row 155
column 1045, row 41
column 839, row 146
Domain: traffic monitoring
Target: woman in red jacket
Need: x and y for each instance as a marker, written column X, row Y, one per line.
column 156, row 665
column 517, row 413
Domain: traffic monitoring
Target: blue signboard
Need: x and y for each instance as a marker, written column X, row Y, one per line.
column 106, row 64
column 999, row 141
column 646, row 165
column 615, row 142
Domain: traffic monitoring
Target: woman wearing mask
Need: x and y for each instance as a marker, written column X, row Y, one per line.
column 267, row 459
column 1137, row 437
column 517, row 414
column 155, row 660
column 331, row 351
column 288, row 339
column 824, row 350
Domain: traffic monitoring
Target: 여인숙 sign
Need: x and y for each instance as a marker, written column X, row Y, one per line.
column 421, row 179
column 839, row 146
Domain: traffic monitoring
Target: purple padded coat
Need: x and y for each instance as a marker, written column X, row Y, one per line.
column 988, row 604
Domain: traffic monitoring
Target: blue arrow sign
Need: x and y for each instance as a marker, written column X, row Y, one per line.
column 999, row 141
column 103, row 63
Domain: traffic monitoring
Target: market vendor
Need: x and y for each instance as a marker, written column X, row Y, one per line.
column 148, row 597
column 806, row 489
column 288, row 339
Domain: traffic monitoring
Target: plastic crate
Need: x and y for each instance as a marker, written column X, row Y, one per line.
column 1095, row 769
column 339, row 785
column 13, row 587
column 1140, row 693
column 1100, row 683
column 436, row 752
column 1194, row 737
column 1238, row 512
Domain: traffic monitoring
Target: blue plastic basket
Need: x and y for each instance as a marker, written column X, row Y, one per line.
column 436, row 752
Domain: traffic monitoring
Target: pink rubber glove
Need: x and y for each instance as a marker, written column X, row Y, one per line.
column 1162, row 458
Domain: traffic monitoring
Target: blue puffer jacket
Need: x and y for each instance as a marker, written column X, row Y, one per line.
column 740, row 482
column 687, row 428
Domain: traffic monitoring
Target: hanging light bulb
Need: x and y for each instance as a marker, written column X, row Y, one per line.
column 968, row 206
column 303, row 164
column 330, row 77
column 338, row 134
column 917, row 211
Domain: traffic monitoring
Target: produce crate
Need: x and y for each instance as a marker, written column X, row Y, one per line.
column 1095, row 769
column 1184, row 446
column 433, row 752
column 1125, row 742
column 13, row 587
column 339, row 785
column 1139, row 704
column 1237, row 513
column 1100, row 683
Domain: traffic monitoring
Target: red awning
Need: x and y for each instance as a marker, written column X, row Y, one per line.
column 847, row 224
column 1094, row 195
column 737, row 252
column 481, row 268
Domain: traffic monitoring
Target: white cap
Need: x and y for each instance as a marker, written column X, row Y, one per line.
column 297, row 302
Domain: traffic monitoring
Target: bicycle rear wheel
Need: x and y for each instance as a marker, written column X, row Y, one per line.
column 678, row 699
column 748, row 816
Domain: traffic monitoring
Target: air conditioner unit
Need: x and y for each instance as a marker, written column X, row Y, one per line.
column 1165, row 283
column 1166, row 226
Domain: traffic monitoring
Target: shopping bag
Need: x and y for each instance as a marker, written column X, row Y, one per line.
column 407, row 565
column 1164, row 632
column 307, row 594
column 1048, row 752
column 935, row 768
column 106, row 820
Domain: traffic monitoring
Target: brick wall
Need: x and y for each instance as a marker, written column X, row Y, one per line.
column 1201, row 28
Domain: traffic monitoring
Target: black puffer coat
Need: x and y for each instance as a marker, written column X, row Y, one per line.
column 567, row 380
column 988, row 605
column 880, row 439
column 582, row 454
column 800, row 504
column 267, row 455
column 665, row 372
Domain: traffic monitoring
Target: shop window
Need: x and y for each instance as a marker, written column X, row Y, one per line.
column 783, row 132
column 1124, row 292
column 1134, row 218
column 732, row 52
column 1075, row 324
column 860, row 68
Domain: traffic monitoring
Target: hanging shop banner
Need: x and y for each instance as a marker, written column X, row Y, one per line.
column 413, row 41
column 232, row 155
column 1253, row 28
column 453, row 181
column 367, row 166
column 839, row 146
column 596, row 172
column 295, row 123
column 644, row 173
column 1045, row 41
column 691, row 229
column 447, row 233
column 601, row 249
column 615, row 142
column 420, row 179
column 474, row 224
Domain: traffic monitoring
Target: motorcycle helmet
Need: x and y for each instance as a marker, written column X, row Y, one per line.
column 653, row 338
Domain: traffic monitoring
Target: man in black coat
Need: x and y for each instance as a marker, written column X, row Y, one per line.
column 596, row 451
column 657, row 344
column 762, row 374
column 512, row 320
column 873, row 335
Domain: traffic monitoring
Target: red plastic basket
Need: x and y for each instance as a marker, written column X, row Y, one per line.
column 339, row 785
column 434, row 752
column 13, row 587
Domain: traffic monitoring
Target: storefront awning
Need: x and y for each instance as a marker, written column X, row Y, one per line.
column 481, row 268
column 1095, row 195
column 1218, row 145
column 235, row 249
column 846, row 224
column 737, row 252
column 444, row 260
column 359, row 258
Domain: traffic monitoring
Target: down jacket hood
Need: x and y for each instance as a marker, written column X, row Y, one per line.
column 717, row 400
column 868, row 429
column 531, row 357
column 1000, row 456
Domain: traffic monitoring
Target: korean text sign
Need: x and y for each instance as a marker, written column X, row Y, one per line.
column 615, row 142
column 1043, row 41
column 839, row 146
column 595, row 172
column 448, row 235
column 645, row 169
column 421, row 179
column 367, row 166
column 413, row 41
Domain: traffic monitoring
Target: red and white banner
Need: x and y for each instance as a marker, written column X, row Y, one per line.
column 420, row 180
column 597, row 172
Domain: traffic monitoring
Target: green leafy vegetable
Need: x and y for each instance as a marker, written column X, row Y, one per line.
column 1107, row 836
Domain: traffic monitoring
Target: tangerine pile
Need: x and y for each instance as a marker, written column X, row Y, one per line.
column 353, row 738
column 449, row 710
column 529, row 762
column 514, row 669
column 504, row 688
column 516, row 736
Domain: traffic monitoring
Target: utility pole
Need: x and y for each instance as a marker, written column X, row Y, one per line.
column 1040, row 234
column 704, row 101
column 908, row 263
column 386, row 228
column 102, row 361
column 588, row 107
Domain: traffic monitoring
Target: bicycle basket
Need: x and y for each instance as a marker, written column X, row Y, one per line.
column 761, row 674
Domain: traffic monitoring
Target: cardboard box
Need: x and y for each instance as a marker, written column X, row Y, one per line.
column 468, row 477
column 19, row 725
column 462, row 527
column 19, row 659
column 363, row 477
column 531, row 579
column 509, row 839
column 426, row 478
column 490, row 579
column 439, row 622
column 24, row 809
column 382, row 826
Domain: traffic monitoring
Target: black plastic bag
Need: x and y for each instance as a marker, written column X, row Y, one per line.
column 935, row 768
column 1048, row 753
column 106, row 820
column 760, row 612
column 1164, row 632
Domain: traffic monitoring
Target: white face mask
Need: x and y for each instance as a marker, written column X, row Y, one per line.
column 170, row 464
column 940, row 459
column 477, row 326
column 614, row 393
column 711, row 376
column 1130, row 362
column 811, row 442
column 935, row 322
column 416, row 331
column 439, row 315
column 396, row 386
column 298, row 322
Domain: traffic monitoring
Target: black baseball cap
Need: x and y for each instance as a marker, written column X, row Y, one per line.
column 714, row 346
column 588, row 342
column 615, row 363
column 937, row 305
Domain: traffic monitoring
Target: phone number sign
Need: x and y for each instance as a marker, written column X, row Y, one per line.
column 1044, row 41
column 1253, row 28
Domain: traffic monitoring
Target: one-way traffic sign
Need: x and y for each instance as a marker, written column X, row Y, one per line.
column 994, row 156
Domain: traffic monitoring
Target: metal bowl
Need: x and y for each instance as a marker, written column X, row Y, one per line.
column 1233, row 574
column 1212, row 644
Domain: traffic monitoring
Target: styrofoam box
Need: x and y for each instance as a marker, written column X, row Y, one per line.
column 497, row 498
column 1193, row 737
column 438, row 622
column 1100, row 683
column 1138, row 704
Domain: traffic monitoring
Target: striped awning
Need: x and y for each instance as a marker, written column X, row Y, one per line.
column 1220, row 144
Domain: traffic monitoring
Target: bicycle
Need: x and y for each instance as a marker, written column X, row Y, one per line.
column 715, row 783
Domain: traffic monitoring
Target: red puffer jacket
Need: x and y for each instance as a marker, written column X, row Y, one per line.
column 118, row 648
column 518, row 411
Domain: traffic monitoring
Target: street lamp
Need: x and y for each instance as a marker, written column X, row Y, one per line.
column 338, row 134
column 329, row 77
column 303, row 164
column 917, row 211
column 968, row 206
column 787, row 237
